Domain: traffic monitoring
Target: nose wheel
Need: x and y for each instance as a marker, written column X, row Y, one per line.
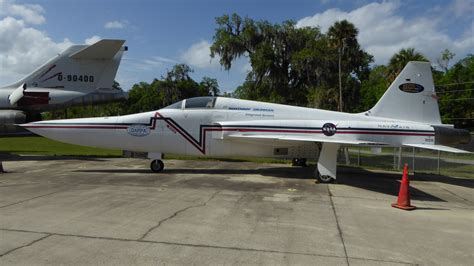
column 157, row 166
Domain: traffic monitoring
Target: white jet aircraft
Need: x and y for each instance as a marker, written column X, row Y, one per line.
column 407, row 115
column 81, row 75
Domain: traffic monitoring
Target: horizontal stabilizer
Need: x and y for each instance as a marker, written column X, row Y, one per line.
column 103, row 49
column 436, row 148
column 17, row 94
column 304, row 139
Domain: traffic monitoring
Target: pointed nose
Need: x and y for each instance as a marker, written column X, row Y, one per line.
column 95, row 132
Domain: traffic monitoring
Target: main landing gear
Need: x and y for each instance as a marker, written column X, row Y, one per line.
column 326, row 179
column 326, row 167
column 157, row 166
column 299, row 162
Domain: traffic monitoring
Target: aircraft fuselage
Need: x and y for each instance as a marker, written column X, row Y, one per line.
column 223, row 131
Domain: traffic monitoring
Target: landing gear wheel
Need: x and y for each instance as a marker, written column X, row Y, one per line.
column 299, row 162
column 157, row 166
column 325, row 179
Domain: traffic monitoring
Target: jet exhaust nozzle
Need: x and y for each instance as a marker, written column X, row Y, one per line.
column 450, row 136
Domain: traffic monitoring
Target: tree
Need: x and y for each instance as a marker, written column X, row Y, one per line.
column 210, row 85
column 287, row 62
column 144, row 97
column 271, row 49
column 373, row 88
column 178, row 85
column 341, row 35
column 399, row 60
column 443, row 61
column 456, row 93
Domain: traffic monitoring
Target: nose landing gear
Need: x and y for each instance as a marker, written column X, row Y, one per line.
column 156, row 164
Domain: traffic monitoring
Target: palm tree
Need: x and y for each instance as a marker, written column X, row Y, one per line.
column 342, row 35
column 399, row 61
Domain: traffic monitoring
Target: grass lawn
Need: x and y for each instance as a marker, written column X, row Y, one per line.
column 44, row 146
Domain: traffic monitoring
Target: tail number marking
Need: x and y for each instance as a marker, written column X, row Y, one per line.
column 77, row 78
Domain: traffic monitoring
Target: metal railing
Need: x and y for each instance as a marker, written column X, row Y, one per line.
column 418, row 160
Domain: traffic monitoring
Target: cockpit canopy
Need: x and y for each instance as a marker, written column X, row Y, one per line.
column 207, row 102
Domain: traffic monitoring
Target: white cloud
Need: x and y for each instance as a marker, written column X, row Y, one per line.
column 92, row 39
column 32, row 14
column 116, row 24
column 382, row 32
column 165, row 60
column 153, row 63
column 23, row 48
column 198, row 55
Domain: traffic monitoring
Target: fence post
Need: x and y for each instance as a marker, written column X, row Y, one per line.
column 358, row 157
column 399, row 158
column 439, row 157
column 394, row 159
column 346, row 155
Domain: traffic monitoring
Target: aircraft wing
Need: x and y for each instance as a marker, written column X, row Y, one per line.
column 300, row 139
column 436, row 147
column 285, row 131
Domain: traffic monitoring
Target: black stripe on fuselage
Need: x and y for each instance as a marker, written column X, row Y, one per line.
column 200, row 142
column 240, row 126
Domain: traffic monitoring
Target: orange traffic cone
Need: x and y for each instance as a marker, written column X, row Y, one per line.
column 403, row 201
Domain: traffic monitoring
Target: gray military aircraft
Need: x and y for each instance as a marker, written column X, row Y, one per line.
column 81, row 75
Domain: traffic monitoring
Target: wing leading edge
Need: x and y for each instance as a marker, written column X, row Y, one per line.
column 436, row 148
column 302, row 139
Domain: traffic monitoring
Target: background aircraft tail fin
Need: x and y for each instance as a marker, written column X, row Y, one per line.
column 411, row 96
column 79, row 68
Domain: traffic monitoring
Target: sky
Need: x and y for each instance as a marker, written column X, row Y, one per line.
column 162, row 33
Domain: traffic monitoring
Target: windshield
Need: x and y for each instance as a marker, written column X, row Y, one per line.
column 175, row 105
column 200, row 102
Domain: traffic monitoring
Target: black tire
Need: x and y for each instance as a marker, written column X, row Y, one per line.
column 299, row 162
column 157, row 166
column 325, row 179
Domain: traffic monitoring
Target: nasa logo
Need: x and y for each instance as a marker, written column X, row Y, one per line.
column 329, row 129
column 411, row 87
column 138, row 130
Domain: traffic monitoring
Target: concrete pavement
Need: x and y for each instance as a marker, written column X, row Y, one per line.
column 114, row 211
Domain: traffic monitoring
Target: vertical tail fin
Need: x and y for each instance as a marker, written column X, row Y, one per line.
column 411, row 96
column 79, row 68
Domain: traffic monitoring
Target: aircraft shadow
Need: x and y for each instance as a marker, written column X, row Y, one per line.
column 281, row 172
column 117, row 171
column 462, row 182
column 422, row 164
column 385, row 183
